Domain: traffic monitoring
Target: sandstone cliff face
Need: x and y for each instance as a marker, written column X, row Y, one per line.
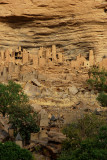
column 75, row 26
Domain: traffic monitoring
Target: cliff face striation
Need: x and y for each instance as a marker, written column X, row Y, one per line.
column 73, row 26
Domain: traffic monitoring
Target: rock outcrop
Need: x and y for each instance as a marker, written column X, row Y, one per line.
column 74, row 26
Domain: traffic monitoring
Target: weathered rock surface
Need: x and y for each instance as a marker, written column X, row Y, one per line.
column 57, row 137
column 74, row 26
column 49, row 142
column 36, row 107
column 4, row 129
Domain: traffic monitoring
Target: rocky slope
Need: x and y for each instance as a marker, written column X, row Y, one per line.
column 74, row 26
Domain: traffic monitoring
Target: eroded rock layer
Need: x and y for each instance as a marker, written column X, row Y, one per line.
column 74, row 26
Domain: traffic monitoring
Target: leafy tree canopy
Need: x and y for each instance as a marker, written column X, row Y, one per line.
column 24, row 120
column 98, row 81
column 86, row 140
column 11, row 94
column 11, row 151
column 15, row 103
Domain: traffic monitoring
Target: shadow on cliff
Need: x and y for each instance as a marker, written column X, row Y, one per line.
column 20, row 21
column 16, row 21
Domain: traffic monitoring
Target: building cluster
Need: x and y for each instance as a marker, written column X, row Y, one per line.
column 21, row 56
column 82, row 62
column 12, row 62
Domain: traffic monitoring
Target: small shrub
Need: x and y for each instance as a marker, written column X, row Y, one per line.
column 102, row 98
column 98, row 79
column 38, row 149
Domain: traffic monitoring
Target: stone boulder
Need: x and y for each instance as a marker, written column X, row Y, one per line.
column 54, row 136
column 36, row 107
column 31, row 90
column 73, row 90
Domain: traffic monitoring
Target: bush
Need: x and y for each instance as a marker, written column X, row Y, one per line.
column 11, row 151
column 86, row 139
column 102, row 98
column 98, row 79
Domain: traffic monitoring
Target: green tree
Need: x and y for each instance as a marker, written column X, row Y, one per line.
column 94, row 148
column 86, row 140
column 82, row 129
column 98, row 81
column 15, row 103
column 11, row 94
column 10, row 150
column 24, row 120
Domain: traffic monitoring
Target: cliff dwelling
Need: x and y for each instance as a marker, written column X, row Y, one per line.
column 13, row 62
column 53, row 79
